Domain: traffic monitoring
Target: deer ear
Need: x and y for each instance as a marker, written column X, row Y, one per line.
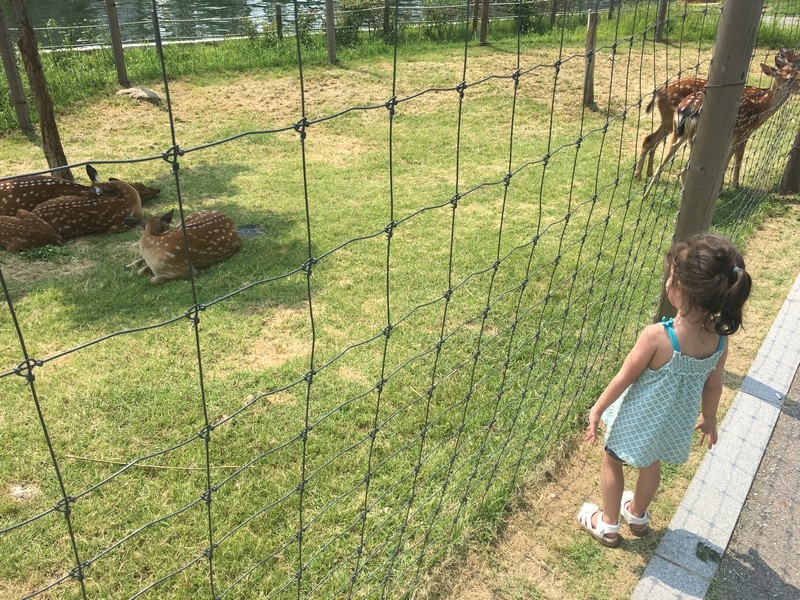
column 780, row 59
column 767, row 70
column 167, row 218
column 92, row 173
column 133, row 222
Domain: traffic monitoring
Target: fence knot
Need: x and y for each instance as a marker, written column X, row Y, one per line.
column 460, row 89
column 557, row 65
column 495, row 265
column 64, row 505
column 209, row 552
column 25, row 369
column 448, row 294
column 300, row 488
column 303, row 435
column 516, row 76
column 307, row 266
column 387, row 331
column 300, row 127
column 206, row 496
column 546, row 159
column 193, row 314
column 454, row 200
column 77, row 571
column 171, row 156
column 373, row 434
column 205, row 433
column 309, row 377
column 578, row 142
column 507, row 179
column 391, row 104
column 389, row 229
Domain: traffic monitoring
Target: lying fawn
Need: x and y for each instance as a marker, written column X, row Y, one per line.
column 212, row 238
column 756, row 106
column 28, row 192
column 101, row 210
column 25, row 230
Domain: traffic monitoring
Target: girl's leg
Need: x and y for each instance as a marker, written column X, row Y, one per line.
column 646, row 488
column 612, row 484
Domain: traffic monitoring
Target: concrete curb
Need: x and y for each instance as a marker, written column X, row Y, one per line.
column 689, row 553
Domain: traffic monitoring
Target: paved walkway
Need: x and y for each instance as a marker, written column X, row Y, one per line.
column 762, row 559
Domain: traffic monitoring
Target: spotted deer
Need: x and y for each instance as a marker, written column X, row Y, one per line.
column 669, row 96
column 24, row 231
column 28, row 192
column 101, row 210
column 212, row 238
column 666, row 98
column 755, row 107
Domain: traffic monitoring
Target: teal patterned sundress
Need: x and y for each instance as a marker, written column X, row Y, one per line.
column 654, row 418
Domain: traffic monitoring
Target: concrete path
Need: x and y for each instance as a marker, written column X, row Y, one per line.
column 690, row 552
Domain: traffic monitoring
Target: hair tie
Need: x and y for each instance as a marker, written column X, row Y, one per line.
column 735, row 269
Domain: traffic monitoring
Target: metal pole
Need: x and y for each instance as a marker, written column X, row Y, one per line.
column 330, row 30
column 726, row 78
column 116, row 44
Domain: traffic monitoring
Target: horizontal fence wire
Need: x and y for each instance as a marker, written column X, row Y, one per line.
column 332, row 411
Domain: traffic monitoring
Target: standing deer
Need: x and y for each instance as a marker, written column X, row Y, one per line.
column 755, row 107
column 28, row 192
column 669, row 96
column 25, row 230
column 212, row 238
column 101, row 210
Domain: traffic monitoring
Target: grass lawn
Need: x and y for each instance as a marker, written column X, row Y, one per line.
column 433, row 302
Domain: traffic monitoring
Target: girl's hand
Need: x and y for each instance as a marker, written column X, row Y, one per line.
column 591, row 429
column 707, row 427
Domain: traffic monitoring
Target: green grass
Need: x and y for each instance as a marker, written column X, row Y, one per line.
column 443, row 431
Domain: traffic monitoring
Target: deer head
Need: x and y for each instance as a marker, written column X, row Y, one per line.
column 212, row 237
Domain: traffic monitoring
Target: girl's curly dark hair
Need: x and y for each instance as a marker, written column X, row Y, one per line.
column 712, row 277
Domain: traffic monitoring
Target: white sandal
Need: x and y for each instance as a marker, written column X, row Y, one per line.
column 606, row 534
column 638, row 525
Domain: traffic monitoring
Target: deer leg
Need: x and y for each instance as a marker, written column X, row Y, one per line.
column 737, row 164
column 648, row 150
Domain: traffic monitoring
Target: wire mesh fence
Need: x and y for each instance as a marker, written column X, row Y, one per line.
column 456, row 257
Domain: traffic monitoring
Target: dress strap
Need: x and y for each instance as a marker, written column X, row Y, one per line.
column 721, row 343
column 667, row 323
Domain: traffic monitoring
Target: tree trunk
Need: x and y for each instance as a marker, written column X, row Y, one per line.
column 16, row 91
column 51, row 141
column 790, row 183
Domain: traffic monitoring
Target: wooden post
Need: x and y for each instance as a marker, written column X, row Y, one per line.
column 116, row 43
column 661, row 19
column 15, row 89
column 588, row 76
column 610, row 9
column 279, row 21
column 790, row 182
column 553, row 12
column 386, row 11
column 484, row 24
column 330, row 30
column 726, row 78
column 476, row 9
column 51, row 140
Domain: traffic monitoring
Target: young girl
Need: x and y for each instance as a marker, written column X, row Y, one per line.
column 674, row 371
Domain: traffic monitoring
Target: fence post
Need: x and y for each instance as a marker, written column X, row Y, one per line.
column 330, row 31
column 588, row 76
column 279, row 21
column 484, row 23
column 15, row 89
column 790, row 182
column 610, row 9
column 116, row 44
column 386, row 10
column 553, row 12
column 29, row 50
column 476, row 8
column 660, row 19
column 726, row 78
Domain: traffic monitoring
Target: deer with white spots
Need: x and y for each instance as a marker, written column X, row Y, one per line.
column 24, row 231
column 28, row 192
column 669, row 96
column 101, row 210
column 212, row 238
column 756, row 106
